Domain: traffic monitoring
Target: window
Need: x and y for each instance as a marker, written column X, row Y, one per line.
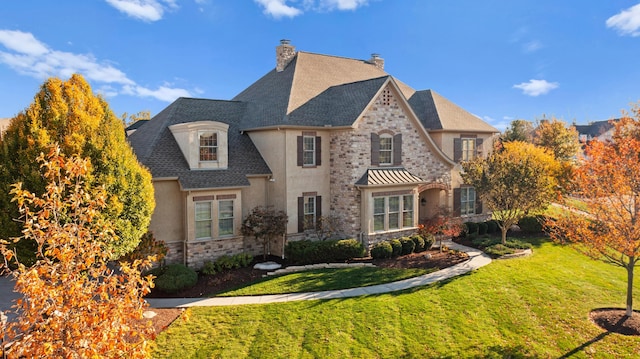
column 208, row 146
column 392, row 212
column 309, row 212
column 468, row 149
column 467, row 201
column 308, row 151
column 386, row 150
column 225, row 218
column 407, row 211
column 203, row 220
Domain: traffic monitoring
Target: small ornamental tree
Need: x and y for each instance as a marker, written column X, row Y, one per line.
column 73, row 304
column 265, row 223
column 442, row 224
column 519, row 179
column 608, row 182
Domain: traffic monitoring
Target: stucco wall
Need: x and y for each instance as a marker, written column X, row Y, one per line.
column 167, row 221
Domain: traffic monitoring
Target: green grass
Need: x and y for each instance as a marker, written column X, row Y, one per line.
column 326, row 279
column 533, row 307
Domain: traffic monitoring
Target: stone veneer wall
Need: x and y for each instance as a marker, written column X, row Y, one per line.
column 351, row 156
column 202, row 251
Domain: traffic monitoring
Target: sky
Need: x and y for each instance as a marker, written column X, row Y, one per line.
column 501, row 60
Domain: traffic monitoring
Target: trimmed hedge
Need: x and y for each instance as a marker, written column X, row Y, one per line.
column 382, row 250
column 312, row 252
column 407, row 245
column 396, row 245
column 483, row 228
column 492, row 226
column 419, row 243
column 472, row 228
column 429, row 240
column 174, row 277
column 225, row 262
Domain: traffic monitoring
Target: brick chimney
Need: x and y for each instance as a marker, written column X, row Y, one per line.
column 285, row 52
column 377, row 61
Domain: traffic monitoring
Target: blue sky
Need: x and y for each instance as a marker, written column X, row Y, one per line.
column 499, row 59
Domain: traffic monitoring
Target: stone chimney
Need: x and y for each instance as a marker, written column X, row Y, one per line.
column 377, row 61
column 285, row 52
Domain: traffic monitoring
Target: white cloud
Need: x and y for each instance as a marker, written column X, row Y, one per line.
column 35, row 59
column 627, row 22
column 532, row 46
column 279, row 8
column 145, row 10
column 536, row 87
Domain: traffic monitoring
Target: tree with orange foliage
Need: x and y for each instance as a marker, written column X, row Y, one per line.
column 608, row 181
column 74, row 304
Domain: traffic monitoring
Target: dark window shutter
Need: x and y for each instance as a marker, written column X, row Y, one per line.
column 478, row 206
column 299, row 150
column 300, row 214
column 318, row 150
column 478, row 147
column 375, row 149
column 457, row 197
column 457, row 149
column 397, row 149
column 318, row 209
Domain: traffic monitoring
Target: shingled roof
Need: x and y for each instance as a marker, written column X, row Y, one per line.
column 438, row 113
column 157, row 149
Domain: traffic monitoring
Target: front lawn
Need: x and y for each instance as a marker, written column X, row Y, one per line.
column 533, row 307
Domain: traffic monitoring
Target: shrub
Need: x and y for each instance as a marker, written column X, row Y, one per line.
column 174, row 277
column 225, row 262
column 492, row 226
column 407, row 245
column 531, row 224
column 396, row 246
column 382, row 250
column 483, row 227
column 472, row 229
column 419, row 243
column 429, row 240
column 310, row 252
column 499, row 250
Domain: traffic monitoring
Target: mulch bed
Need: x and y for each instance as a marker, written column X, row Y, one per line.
column 614, row 320
column 210, row 284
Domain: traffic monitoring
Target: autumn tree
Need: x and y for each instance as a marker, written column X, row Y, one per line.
column 73, row 304
column 68, row 113
column 518, row 130
column 554, row 135
column 519, row 179
column 265, row 223
column 608, row 182
column 133, row 118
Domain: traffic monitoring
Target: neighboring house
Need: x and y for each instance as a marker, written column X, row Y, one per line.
column 602, row 130
column 134, row 126
column 4, row 124
column 317, row 136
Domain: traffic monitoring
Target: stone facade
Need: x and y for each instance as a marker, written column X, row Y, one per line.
column 203, row 251
column 351, row 156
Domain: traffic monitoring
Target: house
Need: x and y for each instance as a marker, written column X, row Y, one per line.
column 602, row 130
column 134, row 126
column 318, row 135
column 4, row 124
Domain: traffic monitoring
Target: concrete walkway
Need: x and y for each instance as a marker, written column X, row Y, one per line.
column 476, row 260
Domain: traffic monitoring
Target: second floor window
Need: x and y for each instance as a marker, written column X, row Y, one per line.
column 208, row 146
column 309, row 151
column 468, row 149
column 386, row 150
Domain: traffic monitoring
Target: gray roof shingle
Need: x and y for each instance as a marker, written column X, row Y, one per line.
column 157, row 149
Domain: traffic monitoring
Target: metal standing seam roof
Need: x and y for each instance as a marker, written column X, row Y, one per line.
column 388, row 176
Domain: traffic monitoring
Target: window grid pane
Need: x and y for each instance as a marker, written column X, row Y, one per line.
column 407, row 213
column 308, row 151
column 208, row 146
column 309, row 212
column 394, row 215
column 225, row 220
column 378, row 213
column 386, row 149
column 203, row 220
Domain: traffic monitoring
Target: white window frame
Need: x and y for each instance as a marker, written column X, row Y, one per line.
column 208, row 147
column 385, row 215
column 468, row 148
column 467, row 201
column 226, row 216
column 309, row 211
column 208, row 220
column 309, row 154
column 385, row 155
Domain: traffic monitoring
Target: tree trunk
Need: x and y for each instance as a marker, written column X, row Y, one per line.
column 630, row 265
column 504, row 230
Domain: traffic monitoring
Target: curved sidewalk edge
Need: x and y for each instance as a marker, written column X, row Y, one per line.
column 476, row 260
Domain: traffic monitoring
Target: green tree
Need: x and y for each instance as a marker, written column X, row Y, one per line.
column 69, row 114
column 519, row 179
column 73, row 304
column 554, row 135
column 518, row 130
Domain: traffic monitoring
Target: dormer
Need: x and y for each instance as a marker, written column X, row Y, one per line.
column 203, row 144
